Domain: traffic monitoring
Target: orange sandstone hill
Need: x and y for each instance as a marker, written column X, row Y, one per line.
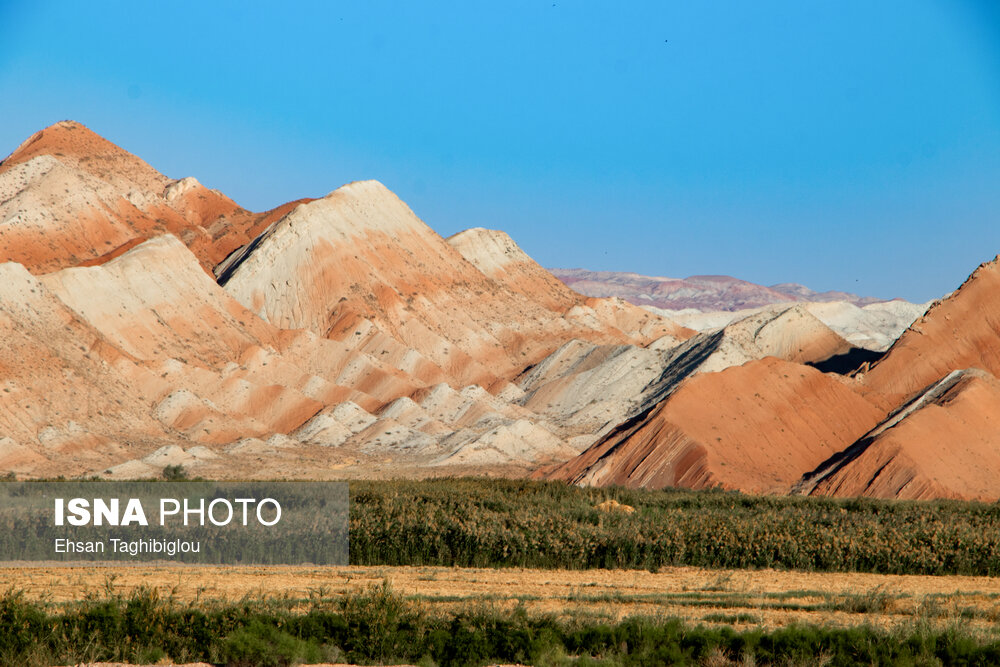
column 960, row 331
column 147, row 321
column 754, row 427
column 943, row 436
column 69, row 196
column 943, row 444
column 921, row 422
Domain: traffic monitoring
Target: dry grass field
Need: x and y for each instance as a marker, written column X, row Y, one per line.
column 478, row 572
column 740, row 598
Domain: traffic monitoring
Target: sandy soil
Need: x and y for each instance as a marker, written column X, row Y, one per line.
column 766, row 598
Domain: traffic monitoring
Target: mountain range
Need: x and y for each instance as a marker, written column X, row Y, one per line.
column 147, row 321
column 704, row 293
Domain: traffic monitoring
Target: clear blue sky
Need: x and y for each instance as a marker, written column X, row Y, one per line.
column 842, row 144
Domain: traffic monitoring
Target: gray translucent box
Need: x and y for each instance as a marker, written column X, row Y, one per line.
column 227, row 523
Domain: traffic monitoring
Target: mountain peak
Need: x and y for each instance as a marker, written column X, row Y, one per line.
column 489, row 249
column 67, row 136
column 77, row 145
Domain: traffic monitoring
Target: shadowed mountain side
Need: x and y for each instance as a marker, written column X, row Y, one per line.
column 846, row 363
column 939, row 442
column 752, row 427
column 595, row 387
column 789, row 333
column 943, row 444
column 599, row 387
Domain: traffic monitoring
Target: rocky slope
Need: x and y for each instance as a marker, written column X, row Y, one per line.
column 68, row 196
column 945, row 443
column 873, row 327
column 960, row 331
column 754, row 427
column 164, row 324
column 146, row 322
column 918, row 423
column 495, row 254
column 392, row 272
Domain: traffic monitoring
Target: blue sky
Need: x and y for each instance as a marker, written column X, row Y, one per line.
column 843, row 145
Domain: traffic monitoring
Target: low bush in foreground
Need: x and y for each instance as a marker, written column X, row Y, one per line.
column 510, row 523
column 379, row 627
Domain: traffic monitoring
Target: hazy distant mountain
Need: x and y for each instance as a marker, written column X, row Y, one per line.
column 803, row 293
column 706, row 293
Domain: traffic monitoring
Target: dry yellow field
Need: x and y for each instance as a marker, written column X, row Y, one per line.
column 742, row 598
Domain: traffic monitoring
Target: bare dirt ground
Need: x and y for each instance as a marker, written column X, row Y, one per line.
column 739, row 598
column 203, row 664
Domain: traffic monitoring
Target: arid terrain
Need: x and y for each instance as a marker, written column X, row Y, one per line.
column 747, row 598
column 148, row 322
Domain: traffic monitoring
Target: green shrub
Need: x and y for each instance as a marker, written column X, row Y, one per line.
column 379, row 622
column 517, row 523
column 380, row 627
column 175, row 473
column 263, row 645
